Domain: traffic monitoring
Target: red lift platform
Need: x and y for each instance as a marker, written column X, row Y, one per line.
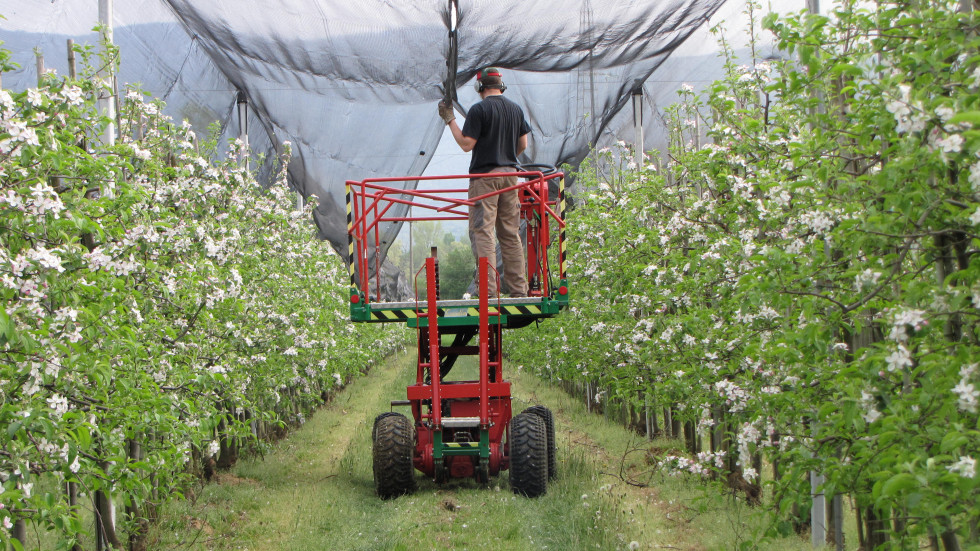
column 460, row 429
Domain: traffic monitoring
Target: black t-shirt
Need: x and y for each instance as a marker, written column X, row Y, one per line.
column 496, row 123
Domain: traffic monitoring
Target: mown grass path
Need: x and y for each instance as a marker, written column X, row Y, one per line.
column 315, row 490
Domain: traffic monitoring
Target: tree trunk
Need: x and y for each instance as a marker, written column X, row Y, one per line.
column 950, row 541
column 877, row 529
column 19, row 532
column 105, row 526
column 675, row 424
column 690, row 437
column 655, row 421
column 228, row 454
column 137, row 537
column 71, row 490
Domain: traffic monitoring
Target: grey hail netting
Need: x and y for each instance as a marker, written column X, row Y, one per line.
column 354, row 85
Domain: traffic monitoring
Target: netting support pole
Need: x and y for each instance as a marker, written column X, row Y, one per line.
column 837, row 523
column 39, row 58
column 107, row 104
column 646, row 415
column 818, row 513
column 243, row 125
column 72, row 69
column 638, row 124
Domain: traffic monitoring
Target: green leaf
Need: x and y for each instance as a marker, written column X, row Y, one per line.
column 953, row 440
column 83, row 436
column 972, row 117
column 897, row 484
column 846, row 69
column 6, row 326
column 13, row 428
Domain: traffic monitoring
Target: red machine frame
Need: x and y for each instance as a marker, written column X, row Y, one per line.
column 460, row 426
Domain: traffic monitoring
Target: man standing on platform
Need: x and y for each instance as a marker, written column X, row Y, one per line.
column 496, row 132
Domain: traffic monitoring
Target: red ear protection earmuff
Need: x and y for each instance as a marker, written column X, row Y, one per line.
column 480, row 86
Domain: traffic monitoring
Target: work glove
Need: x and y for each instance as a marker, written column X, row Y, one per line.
column 446, row 112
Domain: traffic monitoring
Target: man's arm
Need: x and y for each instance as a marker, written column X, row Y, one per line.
column 466, row 143
column 521, row 144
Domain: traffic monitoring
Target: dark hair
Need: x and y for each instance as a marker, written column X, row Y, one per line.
column 489, row 77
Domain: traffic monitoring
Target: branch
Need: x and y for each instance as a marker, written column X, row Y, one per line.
column 897, row 266
column 190, row 325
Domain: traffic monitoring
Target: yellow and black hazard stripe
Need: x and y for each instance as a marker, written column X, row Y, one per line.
column 562, row 252
column 350, row 239
column 400, row 314
column 462, row 445
column 512, row 310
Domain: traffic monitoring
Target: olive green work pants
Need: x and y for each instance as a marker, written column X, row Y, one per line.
column 498, row 217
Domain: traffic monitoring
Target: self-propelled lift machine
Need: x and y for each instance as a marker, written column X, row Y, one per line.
column 459, row 429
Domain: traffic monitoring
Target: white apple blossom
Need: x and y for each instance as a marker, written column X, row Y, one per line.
column 35, row 97
column 871, row 413
column 59, row 404
column 143, row 154
column 968, row 397
column 902, row 319
column 899, row 359
column 965, row 467
column 952, row 143
column 73, row 95
column 974, row 177
column 6, row 103
column 20, row 132
column 945, row 113
column 44, row 199
column 866, row 279
column 47, row 259
column 900, row 106
column 12, row 199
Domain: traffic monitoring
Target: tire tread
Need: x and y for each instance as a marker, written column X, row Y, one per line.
column 392, row 451
column 528, row 455
column 549, row 426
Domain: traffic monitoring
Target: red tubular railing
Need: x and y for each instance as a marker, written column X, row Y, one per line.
column 369, row 202
column 484, row 270
column 432, row 315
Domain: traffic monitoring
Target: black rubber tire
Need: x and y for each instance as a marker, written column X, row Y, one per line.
column 528, row 455
column 374, row 429
column 394, row 445
column 549, row 427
